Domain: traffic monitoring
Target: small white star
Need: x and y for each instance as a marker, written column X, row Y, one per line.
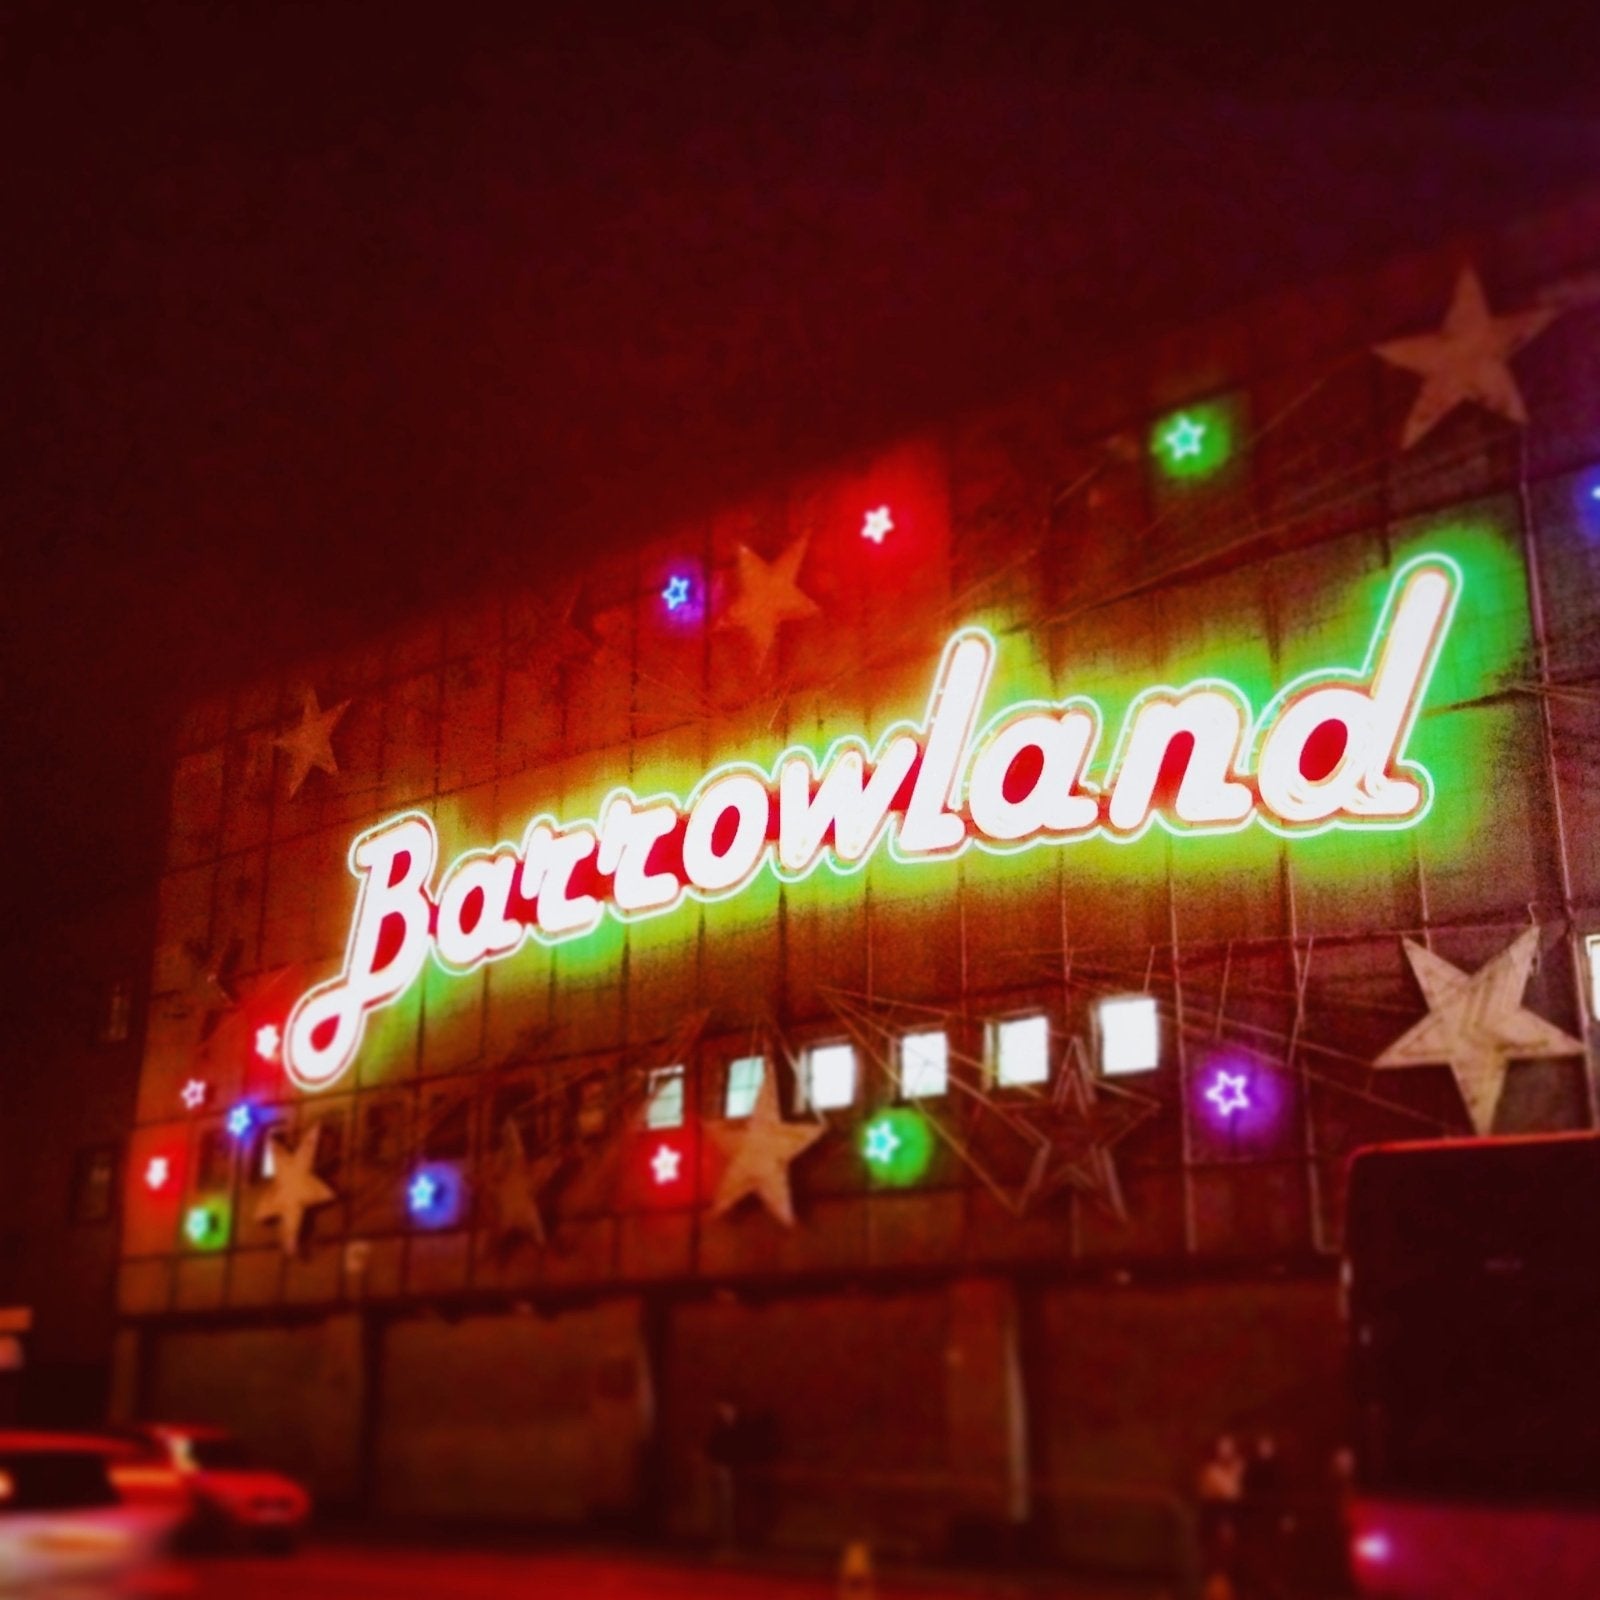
column 1184, row 438
column 877, row 524
column 424, row 1192
column 267, row 1040
column 1228, row 1094
column 882, row 1142
column 195, row 1093
column 665, row 1163
column 157, row 1173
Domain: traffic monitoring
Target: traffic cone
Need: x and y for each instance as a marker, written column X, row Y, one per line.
column 855, row 1572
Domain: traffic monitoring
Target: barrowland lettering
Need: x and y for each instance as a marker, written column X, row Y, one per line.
column 1327, row 752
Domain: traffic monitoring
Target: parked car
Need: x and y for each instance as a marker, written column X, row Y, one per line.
column 227, row 1496
column 64, row 1526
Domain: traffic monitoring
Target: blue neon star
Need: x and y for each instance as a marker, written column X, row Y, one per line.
column 676, row 593
column 239, row 1121
column 424, row 1192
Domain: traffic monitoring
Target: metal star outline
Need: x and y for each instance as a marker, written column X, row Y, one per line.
column 519, row 1187
column 769, row 595
column 294, row 1190
column 310, row 742
column 1467, row 360
column 760, row 1151
column 1477, row 1025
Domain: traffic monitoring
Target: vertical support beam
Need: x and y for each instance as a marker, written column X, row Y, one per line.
column 1541, row 646
column 985, row 1407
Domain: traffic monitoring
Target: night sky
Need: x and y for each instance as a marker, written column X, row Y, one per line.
column 312, row 316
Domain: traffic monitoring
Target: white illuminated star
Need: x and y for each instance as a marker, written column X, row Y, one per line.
column 882, row 1142
column 1468, row 360
column 157, row 1173
column 1228, row 1094
column 267, row 1040
column 1477, row 1024
column 194, row 1094
column 665, row 1163
column 1184, row 438
column 877, row 524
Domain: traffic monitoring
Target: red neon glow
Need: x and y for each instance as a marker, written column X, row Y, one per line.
column 932, row 789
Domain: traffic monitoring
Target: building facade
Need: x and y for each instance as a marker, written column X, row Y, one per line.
column 910, row 954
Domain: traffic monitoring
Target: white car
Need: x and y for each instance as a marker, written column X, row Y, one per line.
column 64, row 1528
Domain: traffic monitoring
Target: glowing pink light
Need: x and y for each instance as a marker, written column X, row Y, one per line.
column 1229, row 1093
column 195, row 1093
column 1373, row 1548
column 877, row 525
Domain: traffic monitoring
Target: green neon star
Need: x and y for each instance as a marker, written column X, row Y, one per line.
column 198, row 1225
column 882, row 1143
column 1185, row 438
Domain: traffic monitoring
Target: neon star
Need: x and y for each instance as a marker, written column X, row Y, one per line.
column 423, row 1193
column 877, row 524
column 240, row 1120
column 1229, row 1094
column 267, row 1040
column 194, row 1094
column 882, row 1143
column 1184, row 438
column 198, row 1225
column 665, row 1163
column 676, row 593
column 157, row 1174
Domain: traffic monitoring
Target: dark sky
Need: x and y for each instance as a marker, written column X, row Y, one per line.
column 312, row 313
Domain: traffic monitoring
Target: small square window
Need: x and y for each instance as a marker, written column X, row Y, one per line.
column 745, row 1077
column 924, row 1065
column 664, row 1108
column 830, row 1076
column 1021, row 1051
column 1130, row 1034
column 1592, row 945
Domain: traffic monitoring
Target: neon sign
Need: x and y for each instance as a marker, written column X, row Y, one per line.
column 1327, row 752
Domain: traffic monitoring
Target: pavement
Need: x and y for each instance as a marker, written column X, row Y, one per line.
column 406, row 1572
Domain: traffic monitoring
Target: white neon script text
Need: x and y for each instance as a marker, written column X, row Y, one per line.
column 1327, row 752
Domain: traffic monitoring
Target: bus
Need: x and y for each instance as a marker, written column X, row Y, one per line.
column 1472, row 1280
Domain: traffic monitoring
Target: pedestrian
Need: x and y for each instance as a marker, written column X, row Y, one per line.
column 725, row 1451
column 1219, row 1489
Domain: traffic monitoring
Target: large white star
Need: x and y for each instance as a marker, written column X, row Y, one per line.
column 293, row 1190
column 1476, row 1024
column 759, row 1152
column 769, row 595
column 310, row 742
column 1468, row 359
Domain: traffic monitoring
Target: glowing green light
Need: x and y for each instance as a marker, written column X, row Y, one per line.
column 897, row 1145
column 1195, row 442
column 206, row 1225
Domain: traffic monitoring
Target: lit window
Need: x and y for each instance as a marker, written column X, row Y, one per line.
column 830, row 1076
column 924, row 1065
column 1022, row 1050
column 665, row 1107
column 745, row 1077
column 1592, row 944
column 1130, row 1034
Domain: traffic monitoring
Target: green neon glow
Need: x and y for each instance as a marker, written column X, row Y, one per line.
column 1194, row 442
column 897, row 1146
column 206, row 1225
column 1482, row 636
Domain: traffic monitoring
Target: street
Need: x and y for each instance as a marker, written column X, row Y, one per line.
column 374, row 1572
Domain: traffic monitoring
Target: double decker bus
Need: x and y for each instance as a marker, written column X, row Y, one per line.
column 1473, row 1284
